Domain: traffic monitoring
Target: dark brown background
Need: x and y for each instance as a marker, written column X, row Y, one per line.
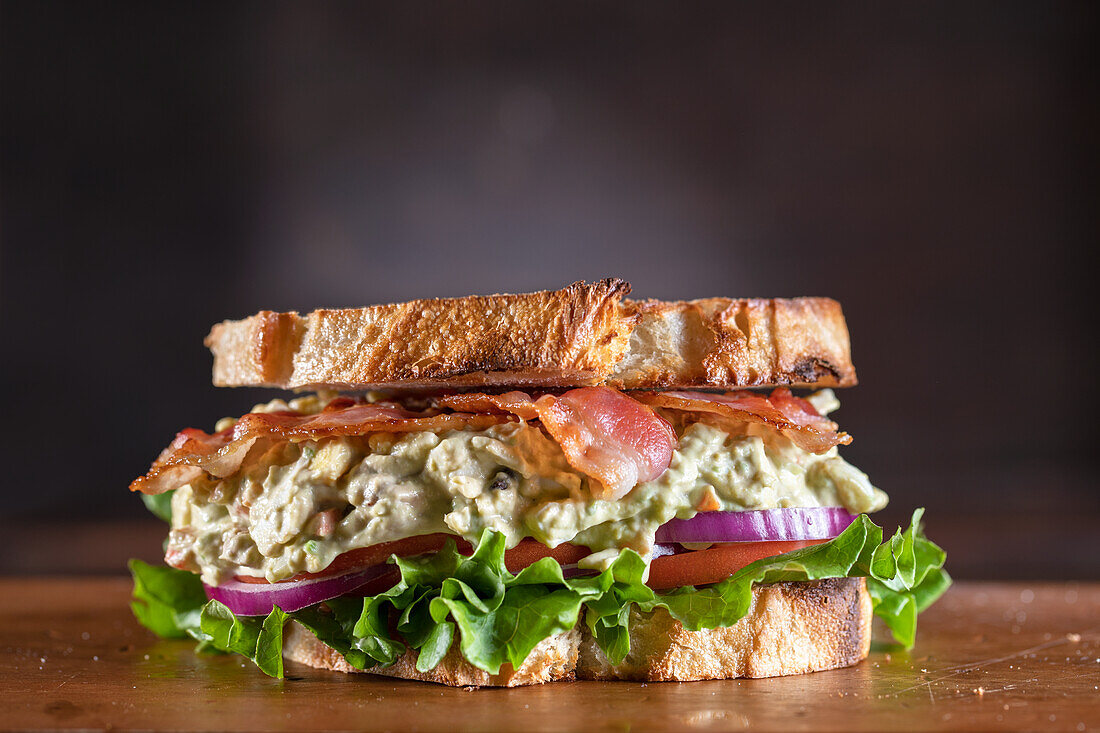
column 931, row 166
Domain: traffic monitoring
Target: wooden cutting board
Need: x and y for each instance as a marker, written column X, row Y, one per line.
column 988, row 657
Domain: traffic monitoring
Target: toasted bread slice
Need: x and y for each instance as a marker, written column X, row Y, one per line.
column 791, row 628
column 583, row 334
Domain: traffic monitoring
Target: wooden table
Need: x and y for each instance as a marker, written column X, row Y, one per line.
column 989, row 657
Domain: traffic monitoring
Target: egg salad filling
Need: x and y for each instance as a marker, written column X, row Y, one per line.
column 302, row 504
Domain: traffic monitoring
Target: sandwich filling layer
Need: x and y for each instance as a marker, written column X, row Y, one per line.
column 299, row 505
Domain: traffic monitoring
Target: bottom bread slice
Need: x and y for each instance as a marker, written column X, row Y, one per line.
column 790, row 628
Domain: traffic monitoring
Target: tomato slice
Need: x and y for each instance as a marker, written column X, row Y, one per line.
column 365, row 557
column 715, row 563
column 527, row 552
column 698, row 567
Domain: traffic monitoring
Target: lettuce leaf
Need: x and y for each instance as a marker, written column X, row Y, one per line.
column 258, row 638
column 159, row 504
column 172, row 604
column 229, row 632
column 498, row 617
column 167, row 601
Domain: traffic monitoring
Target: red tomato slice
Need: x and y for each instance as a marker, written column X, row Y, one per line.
column 365, row 557
column 527, row 552
column 669, row 571
column 715, row 563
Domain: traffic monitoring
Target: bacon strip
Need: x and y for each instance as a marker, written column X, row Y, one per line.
column 519, row 404
column 613, row 439
column 194, row 453
column 794, row 417
column 608, row 436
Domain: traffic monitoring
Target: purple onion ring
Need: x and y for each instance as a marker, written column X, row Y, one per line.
column 257, row 599
column 766, row 525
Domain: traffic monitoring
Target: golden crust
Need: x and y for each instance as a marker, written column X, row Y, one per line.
column 582, row 334
column 791, row 628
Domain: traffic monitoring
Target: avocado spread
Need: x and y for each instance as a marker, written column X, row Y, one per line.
column 302, row 504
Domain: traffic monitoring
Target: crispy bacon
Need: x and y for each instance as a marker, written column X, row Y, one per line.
column 794, row 417
column 613, row 439
column 604, row 434
column 175, row 466
column 194, row 453
column 799, row 411
column 610, row 437
column 519, row 404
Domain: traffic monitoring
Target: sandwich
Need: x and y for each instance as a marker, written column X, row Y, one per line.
column 518, row 489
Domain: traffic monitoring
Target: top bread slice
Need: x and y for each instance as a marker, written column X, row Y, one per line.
column 583, row 334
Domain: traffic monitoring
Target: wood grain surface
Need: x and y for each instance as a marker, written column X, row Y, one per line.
column 989, row 657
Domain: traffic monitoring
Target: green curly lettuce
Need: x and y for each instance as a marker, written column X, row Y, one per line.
column 498, row 618
column 172, row 604
column 160, row 505
column 167, row 601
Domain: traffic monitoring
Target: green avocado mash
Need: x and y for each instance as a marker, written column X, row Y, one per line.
column 303, row 504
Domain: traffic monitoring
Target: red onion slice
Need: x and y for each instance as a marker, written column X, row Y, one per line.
column 766, row 525
column 257, row 599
